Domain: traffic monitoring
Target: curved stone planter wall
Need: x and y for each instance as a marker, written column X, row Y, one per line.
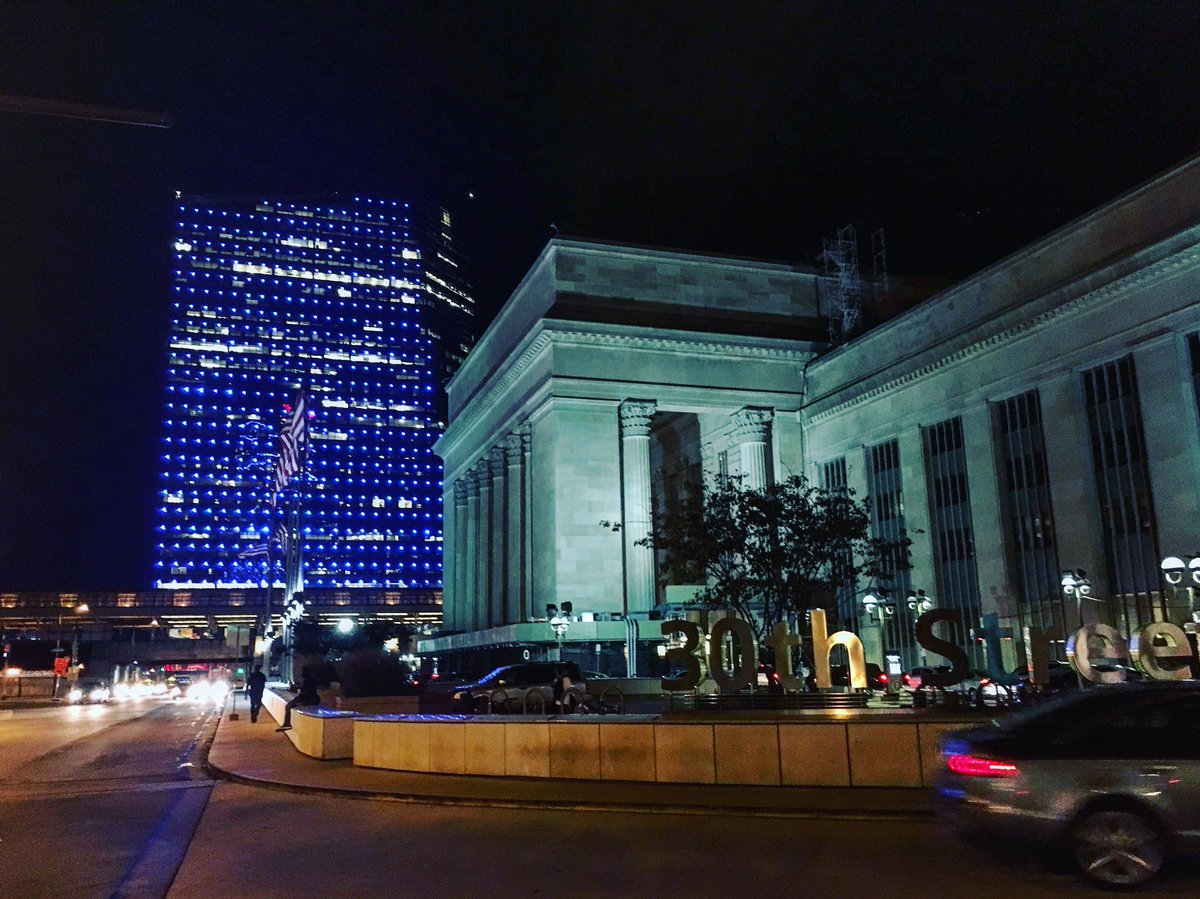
column 821, row 753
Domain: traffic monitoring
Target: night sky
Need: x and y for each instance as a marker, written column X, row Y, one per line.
column 754, row 129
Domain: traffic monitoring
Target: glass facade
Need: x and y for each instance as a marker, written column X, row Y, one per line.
column 360, row 302
column 1123, row 487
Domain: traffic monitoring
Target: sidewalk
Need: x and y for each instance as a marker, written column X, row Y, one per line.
column 255, row 754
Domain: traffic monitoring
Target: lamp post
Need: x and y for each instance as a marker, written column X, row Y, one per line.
column 1185, row 576
column 559, row 624
column 1075, row 585
column 877, row 609
column 918, row 603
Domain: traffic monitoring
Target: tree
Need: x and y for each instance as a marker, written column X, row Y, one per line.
column 768, row 554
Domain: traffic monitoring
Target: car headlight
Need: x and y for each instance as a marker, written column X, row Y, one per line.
column 97, row 695
column 75, row 695
column 459, row 695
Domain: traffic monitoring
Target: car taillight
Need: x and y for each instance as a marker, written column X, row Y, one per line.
column 984, row 681
column 775, row 676
column 883, row 678
column 974, row 766
column 908, row 678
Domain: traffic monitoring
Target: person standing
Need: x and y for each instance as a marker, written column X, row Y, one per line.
column 255, row 684
column 307, row 696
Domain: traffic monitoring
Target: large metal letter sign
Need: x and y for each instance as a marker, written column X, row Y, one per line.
column 1081, row 655
column 781, row 642
column 684, row 656
column 823, row 642
column 745, row 664
column 1149, row 658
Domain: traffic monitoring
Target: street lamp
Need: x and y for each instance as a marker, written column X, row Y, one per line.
column 1178, row 573
column 878, row 606
column 919, row 603
column 559, row 623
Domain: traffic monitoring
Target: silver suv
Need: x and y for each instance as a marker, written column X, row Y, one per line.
column 1110, row 775
column 506, row 688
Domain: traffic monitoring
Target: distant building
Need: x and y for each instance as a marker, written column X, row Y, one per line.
column 362, row 302
column 1040, row 416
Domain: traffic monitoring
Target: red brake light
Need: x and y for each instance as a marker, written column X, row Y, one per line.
column 883, row 678
column 908, row 678
column 984, row 681
column 973, row 766
column 775, row 676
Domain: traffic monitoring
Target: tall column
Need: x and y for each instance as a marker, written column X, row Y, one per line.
column 470, row 614
column 528, row 601
column 996, row 593
column 499, row 556
column 483, row 589
column 461, row 560
column 448, row 586
column 516, row 605
column 637, row 520
column 750, row 428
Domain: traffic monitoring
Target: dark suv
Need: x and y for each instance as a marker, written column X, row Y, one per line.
column 507, row 687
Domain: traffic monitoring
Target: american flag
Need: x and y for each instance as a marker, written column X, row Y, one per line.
column 280, row 535
column 293, row 442
column 257, row 549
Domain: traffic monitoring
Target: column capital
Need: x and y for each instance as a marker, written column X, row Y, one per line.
column 635, row 417
column 460, row 492
column 496, row 460
column 471, row 484
column 512, row 446
column 750, row 424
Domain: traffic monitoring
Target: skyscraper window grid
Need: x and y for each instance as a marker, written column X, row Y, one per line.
column 334, row 296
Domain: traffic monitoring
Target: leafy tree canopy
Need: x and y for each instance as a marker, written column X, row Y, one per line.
column 769, row 554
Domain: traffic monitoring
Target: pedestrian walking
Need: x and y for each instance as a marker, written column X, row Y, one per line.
column 307, row 696
column 255, row 684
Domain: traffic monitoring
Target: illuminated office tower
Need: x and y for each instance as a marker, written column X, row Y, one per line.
column 361, row 302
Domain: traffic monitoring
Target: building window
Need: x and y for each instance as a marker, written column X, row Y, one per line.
column 1029, row 519
column 1123, row 488
column 1193, row 342
column 833, row 479
column 953, row 536
column 885, row 490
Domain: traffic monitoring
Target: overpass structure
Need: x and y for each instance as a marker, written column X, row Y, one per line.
column 214, row 625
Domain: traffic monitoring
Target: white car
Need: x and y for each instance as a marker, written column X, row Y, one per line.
column 88, row 691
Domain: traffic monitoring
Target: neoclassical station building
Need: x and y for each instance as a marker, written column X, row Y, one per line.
column 1040, row 416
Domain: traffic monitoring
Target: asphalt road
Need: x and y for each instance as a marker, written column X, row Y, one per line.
column 99, row 801
column 108, row 802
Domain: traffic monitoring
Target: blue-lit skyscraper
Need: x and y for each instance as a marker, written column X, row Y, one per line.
column 363, row 303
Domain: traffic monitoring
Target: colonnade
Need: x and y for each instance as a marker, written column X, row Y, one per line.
column 489, row 579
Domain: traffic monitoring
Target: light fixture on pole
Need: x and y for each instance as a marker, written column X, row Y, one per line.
column 877, row 606
column 559, row 623
column 919, row 603
column 1181, row 575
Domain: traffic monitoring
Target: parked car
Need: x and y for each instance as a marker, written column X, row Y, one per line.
column 507, row 687
column 1112, row 774
column 913, row 679
column 89, row 691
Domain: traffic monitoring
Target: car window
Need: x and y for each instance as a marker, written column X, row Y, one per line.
column 1149, row 727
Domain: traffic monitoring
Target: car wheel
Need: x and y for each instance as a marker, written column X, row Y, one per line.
column 1117, row 848
column 973, row 698
column 499, row 702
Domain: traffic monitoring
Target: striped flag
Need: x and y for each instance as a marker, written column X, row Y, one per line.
column 280, row 535
column 257, row 549
column 293, row 442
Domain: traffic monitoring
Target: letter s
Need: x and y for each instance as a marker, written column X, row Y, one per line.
column 951, row 651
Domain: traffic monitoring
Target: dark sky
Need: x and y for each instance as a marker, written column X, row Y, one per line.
column 965, row 130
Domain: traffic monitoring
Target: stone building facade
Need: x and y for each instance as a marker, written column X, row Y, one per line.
column 1041, row 415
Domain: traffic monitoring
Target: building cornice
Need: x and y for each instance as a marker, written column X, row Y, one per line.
column 1074, row 306
column 549, row 335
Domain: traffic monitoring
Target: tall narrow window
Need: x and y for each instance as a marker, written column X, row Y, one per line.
column 1029, row 519
column 885, row 490
column 833, row 478
column 1123, row 488
column 950, row 516
column 1193, row 342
